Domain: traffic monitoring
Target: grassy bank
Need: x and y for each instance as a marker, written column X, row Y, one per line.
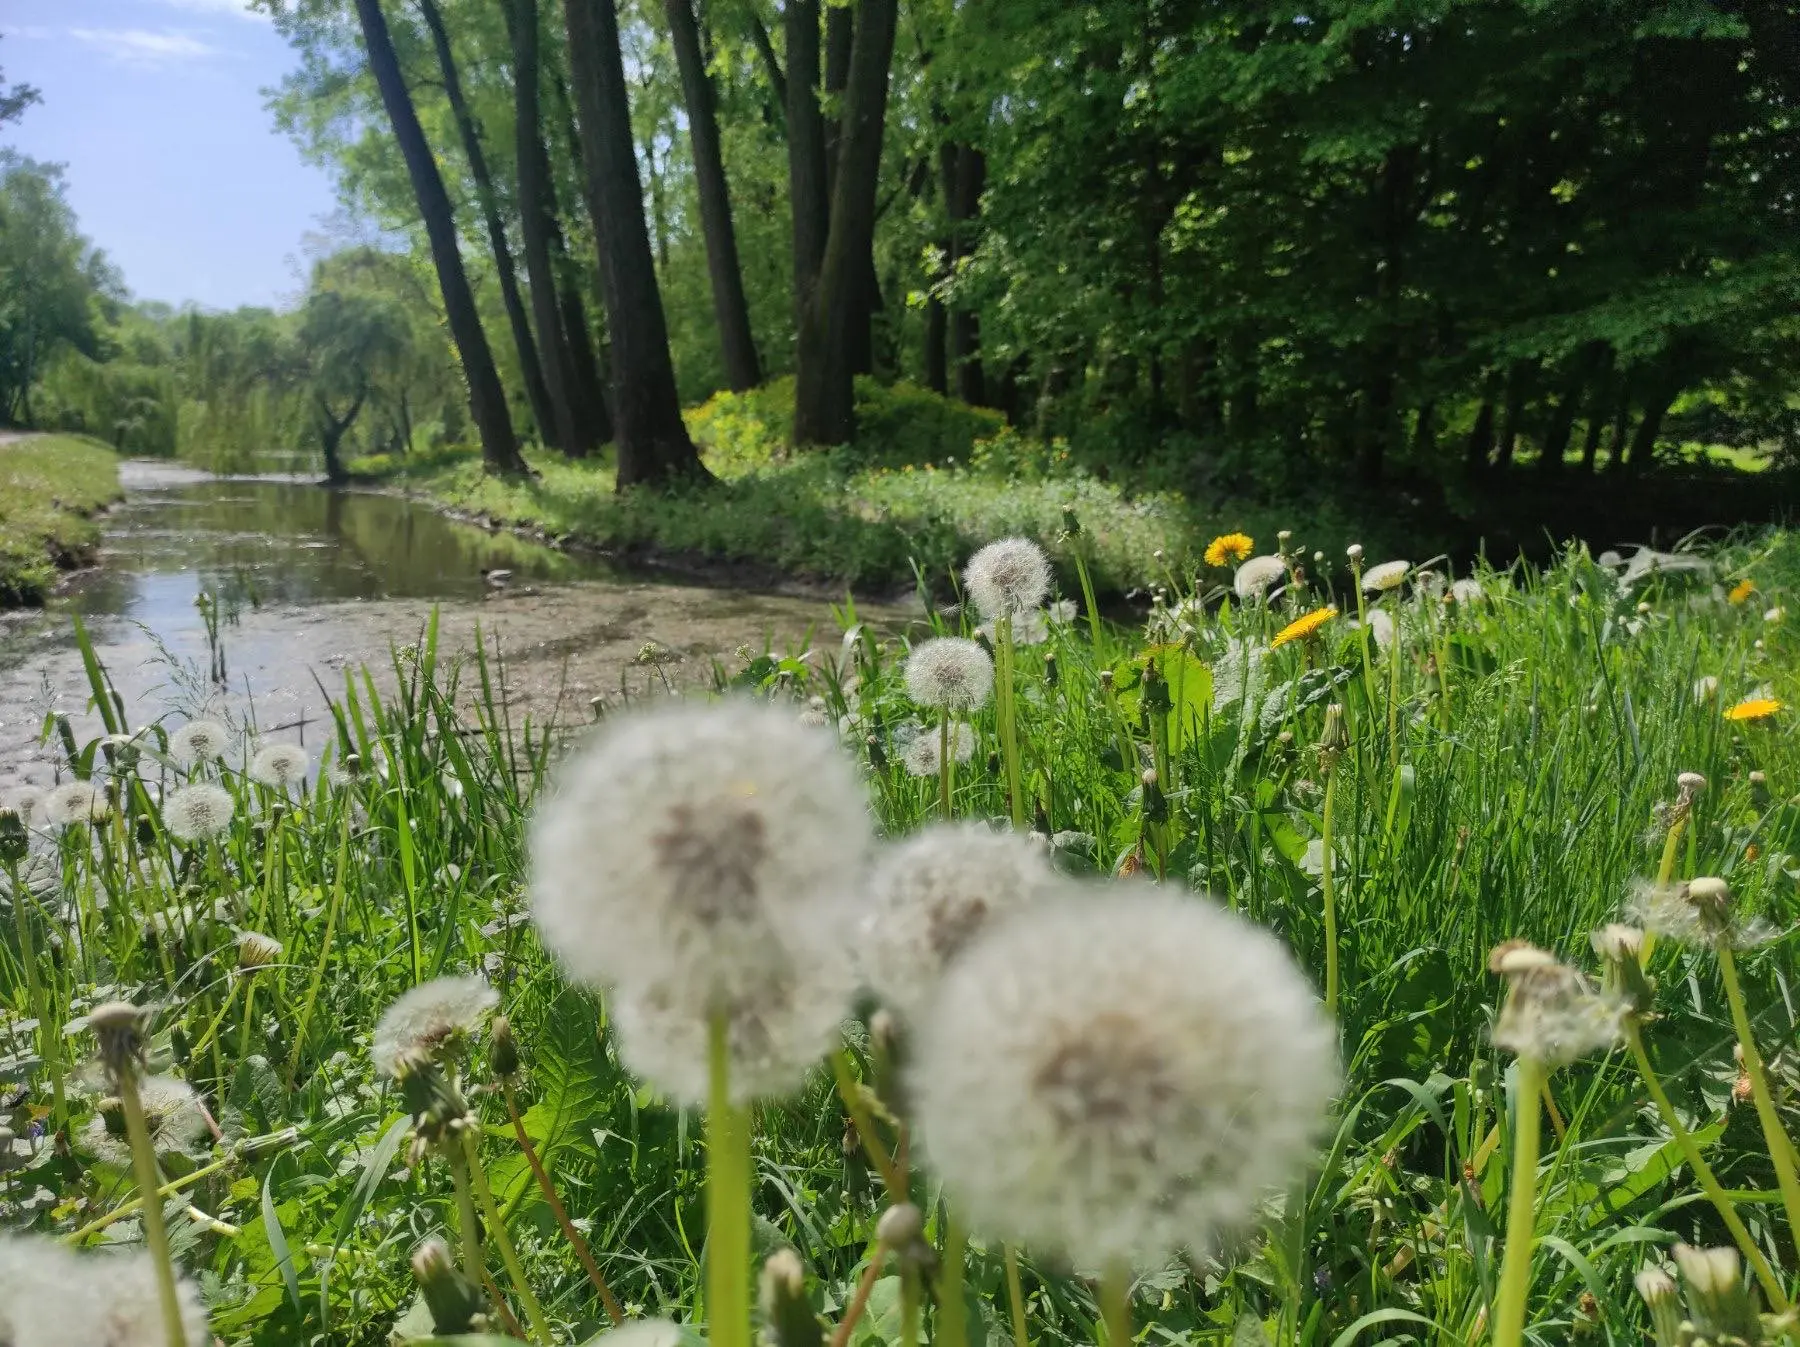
column 928, row 480
column 52, row 487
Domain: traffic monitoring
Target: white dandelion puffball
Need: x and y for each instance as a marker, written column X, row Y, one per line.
column 951, row 673
column 1552, row 1013
column 1008, row 578
column 199, row 811
column 1468, row 592
column 932, row 894
column 778, row 1027
column 279, row 766
column 1256, row 576
column 924, row 752
column 429, row 1017
column 1032, row 628
column 53, row 1297
column 27, row 802
column 199, row 741
column 1386, row 576
column 1381, row 628
column 76, row 802
column 172, row 1113
column 1116, row 1078
column 697, row 841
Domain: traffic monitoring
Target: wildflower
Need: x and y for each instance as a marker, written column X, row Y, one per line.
column 76, row 802
column 1382, row 628
column 199, row 741
column 1753, row 708
column 1061, row 613
column 1255, row 577
column 198, row 811
column 1468, row 592
column 1720, row 1306
column 256, row 950
column 27, row 802
column 1700, row 912
column 1302, row 627
column 923, row 755
column 950, row 673
column 1774, row 614
column 699, row 842
column 1551, row 1013
column 1031, row 628
column 279, row 765
column 429, row 1019
column 1388, row 575
column 53, row 1297
column 1705, row 688
column 172, row 1113
column 1228, row 548
column 1008, row 578
column 1741, row 591
column 930, row 895
column 1116, row 1080
column 1354, row 552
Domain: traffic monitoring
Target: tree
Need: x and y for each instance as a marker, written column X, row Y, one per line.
column 487, row 399
column 346, row 339
column 651, row 440
column 53, row 284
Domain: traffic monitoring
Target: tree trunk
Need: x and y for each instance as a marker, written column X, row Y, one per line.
column 824, row 390
column 573, row 434
column 1561, row 423
column 937, row 377
column 537, row 389
column 652, row 441
column 1642, row 449
column 730, row 308
column 332, row 430
column 487, row 399
column 806, row 150
column 964, row 170
column 1516, row 389
column 588, row 392
column 1481, row 437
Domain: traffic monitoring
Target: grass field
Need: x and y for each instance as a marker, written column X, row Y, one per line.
column 1391, row 800
column 51, row 487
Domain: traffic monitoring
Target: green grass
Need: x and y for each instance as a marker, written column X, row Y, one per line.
column 1519, row 795
column 51, row 489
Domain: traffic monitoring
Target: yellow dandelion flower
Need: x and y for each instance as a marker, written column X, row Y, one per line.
column 1741, row 591
column 1753, row 708
column 1302, row 627
column 1228, row 548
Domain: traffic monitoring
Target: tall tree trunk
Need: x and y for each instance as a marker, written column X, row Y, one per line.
column 1642, row 449
column 824, row 390
column 487, row 399
column 1516, row 388
column 937, row 377
column 575, row 435
column 537, row 388
column 1561, row 422
column 1481, row 436
column 807, row 190
column 588, row 391
column 964, row 170
column 730, row 308
column 652, row 441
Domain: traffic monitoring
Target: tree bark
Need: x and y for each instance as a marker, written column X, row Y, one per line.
column 730, row 308
column 1642, row 449
column 937, row 377
column 573, row 434
column 537, row 388
column 1481, row 437
column 806, row 150
column 652, row 441
column 824, row 390
column 964, row 170
column 487, row 399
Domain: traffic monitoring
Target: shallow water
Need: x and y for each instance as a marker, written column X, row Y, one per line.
column 312, row 583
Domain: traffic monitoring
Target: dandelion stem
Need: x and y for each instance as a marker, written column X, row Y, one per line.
column 156, row 1235
column 909, row 1303
column 951, row 1326
column 728, row 1199
column 212, row 1028
column 465, row 1214
column 850, row 1091
column 1703, row 1175
column 1781, row 1148
column 614, row 1310
column 1005, row 707
column 945, row 765
column 1328, row 887
column 1087, row 596
column 853, row 1313
column 1521, row 1206
column 1115, row 1306
column 127, row 1208
column 331, row 915
column 1015, row 1297
column 249, row 1017
column 509, row 1256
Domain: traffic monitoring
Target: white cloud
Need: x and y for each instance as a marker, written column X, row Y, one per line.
column 139, row 46
column 240, row 8
column 27, row 30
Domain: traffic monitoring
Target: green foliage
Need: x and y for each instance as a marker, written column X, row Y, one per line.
column 51, row 487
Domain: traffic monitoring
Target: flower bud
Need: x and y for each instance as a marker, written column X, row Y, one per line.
column 454, row 1301
column 1719, row 1304
column 503, row 1049
column 1071, row 522
column 14, row 841
column 1690, row 783
column 900, row 1226
column 1657, row 1290
column 1354, row 552
column 119, row 1026
column 787, row 1313
column 256, row 950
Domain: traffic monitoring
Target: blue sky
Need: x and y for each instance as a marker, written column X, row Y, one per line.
column 174, row 166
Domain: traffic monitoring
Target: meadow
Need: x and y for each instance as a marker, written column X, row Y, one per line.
column 52, row 487
column 1385, row 775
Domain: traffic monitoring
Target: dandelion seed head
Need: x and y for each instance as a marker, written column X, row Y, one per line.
column 924, row 753
column 430, row 1017
column 1382, row 628
column 124, row 1296
column 1552, row 1014
column 1690, row 783
column 1386, row 576
column 931, row 895
column 1699, row 913
column 1117, row 1079
column 279, row 766
column 1256, row 576
column 76, row 802
column 695, row 841
column 1705, row 688
column 1617, row 941
column 1008, row 578
column 1029, row 628
column 950, row 673
column 1468, row 592
column 27, row 802
column 199, row 741
column 172, row 1114
column 51, row 1296
column 198, row 811
column 1774, row 614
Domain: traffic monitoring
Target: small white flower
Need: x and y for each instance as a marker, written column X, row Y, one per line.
column 1255, row 577
column 950, row 673
column 1118, row 1076
column 76, row 802
column 198, row 811
column 923, row 756
column 430, row 1016
column 1008, row 578
column 279, row 766
column 199, row 741
column 1386, row 576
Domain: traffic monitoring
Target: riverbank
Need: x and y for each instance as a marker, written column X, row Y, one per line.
column 52, row 490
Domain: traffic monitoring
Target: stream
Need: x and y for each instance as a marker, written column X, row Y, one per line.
column 310, row 584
